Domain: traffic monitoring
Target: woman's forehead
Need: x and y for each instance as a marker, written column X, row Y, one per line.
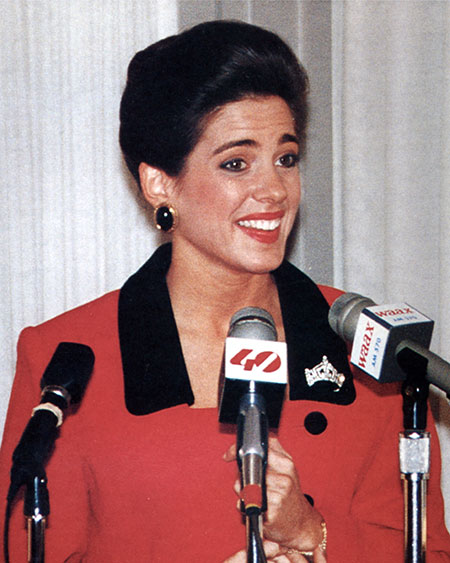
column 250, row 115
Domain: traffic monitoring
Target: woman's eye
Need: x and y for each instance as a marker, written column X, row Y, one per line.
column 235, row 165
column 288, row 160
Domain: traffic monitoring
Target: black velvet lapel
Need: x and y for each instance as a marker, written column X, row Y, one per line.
column 155, row 373
column 154, row 370
column 309, row 338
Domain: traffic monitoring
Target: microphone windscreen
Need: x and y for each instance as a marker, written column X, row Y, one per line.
column 253, row 322
column 344, row 314
column 70, row 367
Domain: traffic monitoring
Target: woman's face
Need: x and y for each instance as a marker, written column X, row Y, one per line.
column 239, row 191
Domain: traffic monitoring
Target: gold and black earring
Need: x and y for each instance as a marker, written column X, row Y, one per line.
column 165, row 218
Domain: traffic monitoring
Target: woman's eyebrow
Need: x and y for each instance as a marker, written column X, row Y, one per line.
column 286, row 138
column 231, row 144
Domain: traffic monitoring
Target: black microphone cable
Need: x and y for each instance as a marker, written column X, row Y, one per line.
column 6, row 531
column 255, row 551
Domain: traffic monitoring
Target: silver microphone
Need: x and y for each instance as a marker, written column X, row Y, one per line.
column 252, row 395
column 382, row 334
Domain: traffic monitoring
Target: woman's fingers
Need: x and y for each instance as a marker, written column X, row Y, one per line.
column 272, row 550
column 230, row 454
column 289, row 520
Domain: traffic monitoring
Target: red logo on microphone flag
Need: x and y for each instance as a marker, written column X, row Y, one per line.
column 365, row 347
column 259, row 360
column 267, row 361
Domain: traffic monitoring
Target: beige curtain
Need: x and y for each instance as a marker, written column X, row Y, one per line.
column 70, row 227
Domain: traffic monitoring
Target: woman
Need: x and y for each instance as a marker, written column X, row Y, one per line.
column 212, row 127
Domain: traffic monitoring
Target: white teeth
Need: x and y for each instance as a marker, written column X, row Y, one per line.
column 261, row 224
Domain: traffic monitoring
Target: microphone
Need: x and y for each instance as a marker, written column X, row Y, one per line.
column 255, row 378
column 385, row 337
column 63, row 383
column 252, row 354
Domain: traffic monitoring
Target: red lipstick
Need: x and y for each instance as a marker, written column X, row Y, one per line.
column 263, row 227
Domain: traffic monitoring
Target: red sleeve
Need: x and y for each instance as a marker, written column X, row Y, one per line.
column 330, row 293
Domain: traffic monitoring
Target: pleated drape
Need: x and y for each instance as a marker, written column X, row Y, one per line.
column 70, row 228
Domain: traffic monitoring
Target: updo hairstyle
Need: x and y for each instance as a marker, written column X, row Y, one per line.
column 174, row 84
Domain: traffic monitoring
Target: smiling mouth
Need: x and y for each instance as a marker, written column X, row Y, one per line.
column 261, row 224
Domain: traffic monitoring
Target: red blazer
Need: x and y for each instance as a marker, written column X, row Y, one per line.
column 138, row 475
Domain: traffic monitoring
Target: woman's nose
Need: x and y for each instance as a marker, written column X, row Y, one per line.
column 270, row 186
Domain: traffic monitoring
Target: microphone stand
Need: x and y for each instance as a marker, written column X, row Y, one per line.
column 252, row 442
column 36, row 509
column 414, row 453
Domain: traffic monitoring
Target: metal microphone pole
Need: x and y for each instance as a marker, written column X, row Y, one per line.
column 414, row 453
column 36, row 509
column 252, row 443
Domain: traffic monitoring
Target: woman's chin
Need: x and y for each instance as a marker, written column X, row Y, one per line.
column 263, row 264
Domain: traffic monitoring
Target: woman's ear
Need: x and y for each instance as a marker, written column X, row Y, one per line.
column 157, row 186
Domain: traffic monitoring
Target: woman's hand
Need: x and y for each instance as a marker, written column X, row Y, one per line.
column 271, row 549
column 275, row 553
column 290, row 521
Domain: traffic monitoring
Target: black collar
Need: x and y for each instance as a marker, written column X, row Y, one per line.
column 154, row 370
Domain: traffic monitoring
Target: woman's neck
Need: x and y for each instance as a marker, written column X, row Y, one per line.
column 204, row 297
column 204, row 291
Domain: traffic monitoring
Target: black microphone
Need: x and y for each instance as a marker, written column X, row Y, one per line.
column 63, row 383
column 255, row 378
column 385, row 337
